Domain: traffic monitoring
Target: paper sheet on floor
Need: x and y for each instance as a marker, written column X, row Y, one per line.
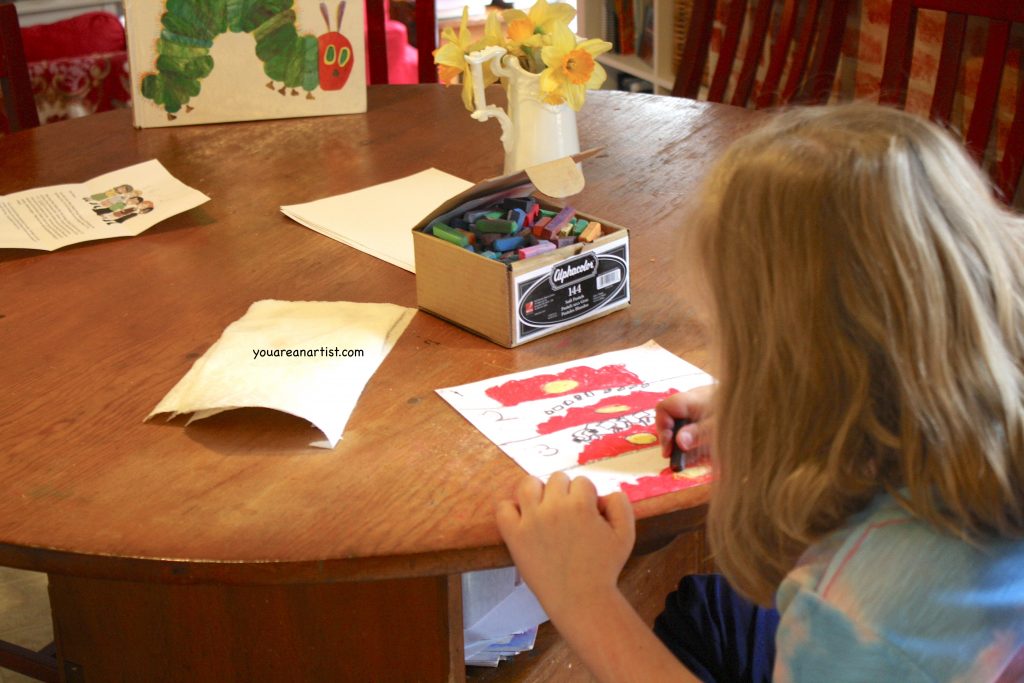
column 306, row 358
column 121, row 203
column 500, row 616
column 379, row 219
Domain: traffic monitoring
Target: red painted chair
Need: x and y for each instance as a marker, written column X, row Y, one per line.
column 999, row 16
column 377, row 41
column 19, row 105
column 808, row 36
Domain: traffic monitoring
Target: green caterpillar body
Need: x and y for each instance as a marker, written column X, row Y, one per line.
column 189, row 28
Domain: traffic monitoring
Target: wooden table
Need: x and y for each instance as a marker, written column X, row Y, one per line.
column 229, row 549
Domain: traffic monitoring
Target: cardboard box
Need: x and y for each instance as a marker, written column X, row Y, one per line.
column 512, row 304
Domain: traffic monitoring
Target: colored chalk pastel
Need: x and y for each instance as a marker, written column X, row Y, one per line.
column 564, row 216
column 591, row 233
column 566, row 230
column 549, row 214
column 474, row 216
column 496, row 225
column 453, row 235
column 533, row 214
column 489, row 238
column 541, row 248
column 517, row 215
column 495, row 214
column 489, row 254
column 580, row 226
column 549, row 232
column 538, row 227
column 470, row 236
column 563, row 241
column 508, row 244
column 510, row 203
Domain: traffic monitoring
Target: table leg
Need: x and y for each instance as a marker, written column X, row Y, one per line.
column 393, row 630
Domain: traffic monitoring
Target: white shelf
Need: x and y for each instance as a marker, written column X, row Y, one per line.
column 593, row 23
column 634, row 66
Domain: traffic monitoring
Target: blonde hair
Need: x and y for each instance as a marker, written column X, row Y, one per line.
column 868, row 305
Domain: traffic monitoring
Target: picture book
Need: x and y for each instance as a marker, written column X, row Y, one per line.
column 209, row 61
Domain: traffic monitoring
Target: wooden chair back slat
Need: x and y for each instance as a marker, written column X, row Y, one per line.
column 801, row 52
column 948, row 74
column 780, row 51
column 818, row 86
column 727, row 50
column 898, row 53
column 1008, row 170
column 695, row 50
column 987, row 95
column 19, row 102
column 426, row 40
column 755, row 48
column 376, row 38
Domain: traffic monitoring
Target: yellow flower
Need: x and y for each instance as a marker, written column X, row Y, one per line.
column 543, row 17
column 571, row 67
column 451, row 56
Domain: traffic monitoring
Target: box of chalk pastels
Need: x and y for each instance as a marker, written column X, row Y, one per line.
column 511, row 265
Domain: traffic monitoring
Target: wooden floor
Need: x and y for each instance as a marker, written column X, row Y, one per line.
column 24, row 614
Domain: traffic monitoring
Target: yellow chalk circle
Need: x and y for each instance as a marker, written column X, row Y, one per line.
column 612, row 409
column 642, row 439
column 560, row 386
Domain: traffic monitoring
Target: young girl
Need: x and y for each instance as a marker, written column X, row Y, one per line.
column 866, row 301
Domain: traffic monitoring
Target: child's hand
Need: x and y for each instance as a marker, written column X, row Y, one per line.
column 694, row 405
column 568, row 544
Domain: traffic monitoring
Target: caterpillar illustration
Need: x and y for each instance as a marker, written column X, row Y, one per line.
column 295, row 61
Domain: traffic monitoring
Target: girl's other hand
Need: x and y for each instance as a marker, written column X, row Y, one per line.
column 694, row 405
column 569, row 544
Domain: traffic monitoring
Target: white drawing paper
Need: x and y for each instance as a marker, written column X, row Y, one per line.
column 378, row 220
column 592, row 417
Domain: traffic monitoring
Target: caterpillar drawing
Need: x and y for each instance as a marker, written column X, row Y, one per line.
column 189, row 28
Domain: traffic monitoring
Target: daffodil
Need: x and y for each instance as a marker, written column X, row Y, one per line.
column 451, row 56
column 543, row 18
column 571, row 68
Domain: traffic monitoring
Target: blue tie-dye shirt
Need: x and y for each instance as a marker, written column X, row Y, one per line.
column 889, row 598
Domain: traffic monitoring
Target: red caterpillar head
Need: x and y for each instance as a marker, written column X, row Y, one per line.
column 335, row 53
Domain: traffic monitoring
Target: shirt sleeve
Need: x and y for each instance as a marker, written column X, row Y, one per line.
column 817, row 642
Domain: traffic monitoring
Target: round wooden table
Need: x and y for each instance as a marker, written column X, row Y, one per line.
column 229, row 549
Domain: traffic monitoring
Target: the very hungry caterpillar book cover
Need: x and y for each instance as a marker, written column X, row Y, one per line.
column 208, row 61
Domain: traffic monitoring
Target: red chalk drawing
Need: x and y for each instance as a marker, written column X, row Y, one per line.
column 631, row 439
column 571, row 380
column 608, row 407
column 667, row 481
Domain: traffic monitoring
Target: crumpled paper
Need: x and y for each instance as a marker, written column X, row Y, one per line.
column 311, row 359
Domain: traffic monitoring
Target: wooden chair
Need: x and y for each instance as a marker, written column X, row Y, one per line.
column 808, row 39
column 426, row 41
column 42, row 665
column 999, row 16
column 19, row 104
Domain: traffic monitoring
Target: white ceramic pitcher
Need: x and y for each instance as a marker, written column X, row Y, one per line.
column 532, row 131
